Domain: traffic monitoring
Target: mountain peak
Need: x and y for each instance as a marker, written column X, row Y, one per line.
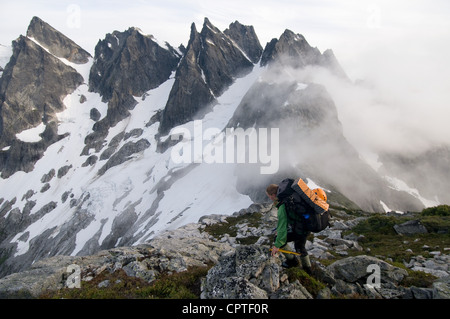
column 291, row 49
column 212, row 62
column 56, row 42
column 206, row 22
column 245, row 37
column 129, row 62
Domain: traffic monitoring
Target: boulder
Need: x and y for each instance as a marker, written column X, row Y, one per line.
column 410, row 227
column 248, row 272
column 45, row 274
column 355, row 269
column 441, row 288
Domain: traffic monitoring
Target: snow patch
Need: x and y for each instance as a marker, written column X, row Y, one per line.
column 301, row 86
column 31, row 135
column 400, row 185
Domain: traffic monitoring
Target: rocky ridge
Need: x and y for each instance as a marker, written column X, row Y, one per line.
column 238, row 248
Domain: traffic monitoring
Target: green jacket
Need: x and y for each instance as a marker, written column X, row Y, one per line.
column 284, row 220
column 282, row 227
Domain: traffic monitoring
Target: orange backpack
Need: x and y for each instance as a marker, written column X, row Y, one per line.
column 296, row 195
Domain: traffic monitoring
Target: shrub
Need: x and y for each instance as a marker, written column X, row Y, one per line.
column 441, row 210
column 377, row 224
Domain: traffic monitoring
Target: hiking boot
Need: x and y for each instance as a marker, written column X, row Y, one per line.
column 306, row 264
column 289, row 263
column 308, row 270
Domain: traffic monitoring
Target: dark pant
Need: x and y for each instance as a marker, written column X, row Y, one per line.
column 299, row 241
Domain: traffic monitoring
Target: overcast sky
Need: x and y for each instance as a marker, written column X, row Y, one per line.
column 402, row 46
column 352, row 28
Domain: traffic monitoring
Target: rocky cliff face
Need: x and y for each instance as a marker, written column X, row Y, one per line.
column 32, row 89
column 130, row 62
column 247, row 40
column 293, row 50
column 126, row 64
column 213, row 60
column 56, row 42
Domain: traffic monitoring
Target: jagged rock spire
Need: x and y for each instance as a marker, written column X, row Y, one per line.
column 56, row 42
column 32, row 89
column 211, row 63
column 130, row 62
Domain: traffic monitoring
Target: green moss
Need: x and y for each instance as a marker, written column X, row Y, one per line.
column 378, row 224
column 183, row 285
column 310, row 283
column 418, row 279
column 250, row 240
column 382, row 240
column 436, row 223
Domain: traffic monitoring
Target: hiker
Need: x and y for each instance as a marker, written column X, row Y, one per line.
column 289, row 230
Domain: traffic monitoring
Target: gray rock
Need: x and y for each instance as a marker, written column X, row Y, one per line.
column 32, row 89
column 293, row 290
column 248, row 272
column 103, row 284
column 130, row 62
column 422, row 293
column 209, row 66
column 354, row 269
column 57, row 43
column 124, row 154
column 246, row 38
column 48, row 177
column 434, row 272
column 441, row 288
column 94, row 114
column 410, row 228
column 46, row 274
column 235, row 288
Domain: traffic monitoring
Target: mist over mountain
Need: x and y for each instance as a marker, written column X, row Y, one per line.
column 108, row 150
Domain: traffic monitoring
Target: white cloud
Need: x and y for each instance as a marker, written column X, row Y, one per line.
column 401, row 47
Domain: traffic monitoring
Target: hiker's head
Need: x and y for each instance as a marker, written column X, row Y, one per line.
column 271, row 191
